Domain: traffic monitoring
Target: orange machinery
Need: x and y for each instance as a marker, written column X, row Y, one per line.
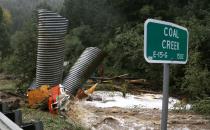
column 53, row 96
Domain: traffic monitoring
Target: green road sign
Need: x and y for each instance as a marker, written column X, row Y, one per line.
column 165, row 42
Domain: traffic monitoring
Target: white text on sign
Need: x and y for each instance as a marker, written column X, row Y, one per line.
column 168, row 44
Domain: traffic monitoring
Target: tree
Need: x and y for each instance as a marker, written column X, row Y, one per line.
column 22, row 62
column 22, row 10
column 4, row 37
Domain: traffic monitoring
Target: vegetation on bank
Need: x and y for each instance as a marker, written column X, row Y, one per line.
column 50, row 121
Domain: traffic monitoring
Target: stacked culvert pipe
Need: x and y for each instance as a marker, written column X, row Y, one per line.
column 50, row 54
column 82, row 69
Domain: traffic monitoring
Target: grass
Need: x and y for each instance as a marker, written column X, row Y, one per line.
column 50, row 121
column 8, row 85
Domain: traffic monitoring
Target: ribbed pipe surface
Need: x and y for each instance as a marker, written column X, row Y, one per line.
column 50, row 54
column 82, row 69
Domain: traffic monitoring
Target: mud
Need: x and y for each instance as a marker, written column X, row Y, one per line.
column 13, row 101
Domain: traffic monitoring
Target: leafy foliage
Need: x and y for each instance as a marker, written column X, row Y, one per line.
column 202, row 106
column 122, row 38
column 4, row 36
column 22, row 62
column 22, row 10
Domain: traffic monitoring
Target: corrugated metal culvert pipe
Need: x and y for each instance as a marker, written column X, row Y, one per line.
column 50, row 54
column 82, row 69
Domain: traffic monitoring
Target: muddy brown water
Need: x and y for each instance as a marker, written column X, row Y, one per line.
column 115, row 118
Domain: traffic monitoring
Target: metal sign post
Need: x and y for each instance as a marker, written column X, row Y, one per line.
column 165, row 43
column 164, row 116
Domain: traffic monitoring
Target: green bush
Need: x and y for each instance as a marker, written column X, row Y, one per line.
column 202, row 106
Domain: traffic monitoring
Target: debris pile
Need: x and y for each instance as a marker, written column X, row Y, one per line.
column 50, row 58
